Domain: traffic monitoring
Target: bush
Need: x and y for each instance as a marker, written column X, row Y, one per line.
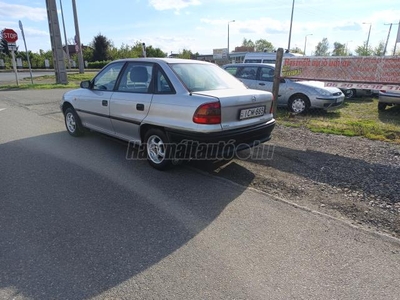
column 97, row 64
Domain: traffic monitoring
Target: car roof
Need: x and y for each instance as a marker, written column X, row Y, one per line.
column 165, row 60
column 250, row 65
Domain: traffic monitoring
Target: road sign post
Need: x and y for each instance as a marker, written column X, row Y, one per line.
column 14, row 66
column 11, row 37
column 26, row 49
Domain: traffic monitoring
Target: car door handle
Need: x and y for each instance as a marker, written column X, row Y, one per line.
column 262, row 84
column 140, row 106
column 104, row 102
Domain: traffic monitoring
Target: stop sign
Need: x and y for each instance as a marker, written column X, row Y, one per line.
column 10, row 35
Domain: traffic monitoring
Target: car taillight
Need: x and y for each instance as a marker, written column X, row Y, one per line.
column 383, row 91
column 209, row 113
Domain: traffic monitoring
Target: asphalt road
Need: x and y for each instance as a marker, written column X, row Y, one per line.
column 6, row 77
column 79, row 221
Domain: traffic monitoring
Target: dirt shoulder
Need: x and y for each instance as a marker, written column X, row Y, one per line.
column 347, row 177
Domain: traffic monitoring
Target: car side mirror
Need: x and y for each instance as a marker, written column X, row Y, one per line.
column 86, row 84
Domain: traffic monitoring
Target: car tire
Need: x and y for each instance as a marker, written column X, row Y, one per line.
column 73, row 122
column 299, row 104
column 157, row 149
column 352, row 93
column 381, row 106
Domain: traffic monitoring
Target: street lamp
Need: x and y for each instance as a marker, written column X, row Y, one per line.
column 305, row 42
column 228, row 38
column 369, row 33
column 347, row 49
column 290, row 30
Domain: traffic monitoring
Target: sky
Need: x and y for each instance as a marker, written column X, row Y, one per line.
column 202, row 25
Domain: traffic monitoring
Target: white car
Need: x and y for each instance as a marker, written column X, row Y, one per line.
column 298, row 96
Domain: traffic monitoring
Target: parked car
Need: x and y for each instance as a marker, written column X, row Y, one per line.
column 163, row 103
column 298, row 96
column 388, row 98
column 354, row 93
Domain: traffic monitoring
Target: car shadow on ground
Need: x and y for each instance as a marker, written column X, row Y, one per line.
column 78, row 218
column 390, row 115
column 360, row 100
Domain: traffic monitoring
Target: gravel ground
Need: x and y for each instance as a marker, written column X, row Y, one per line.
column 348, row 177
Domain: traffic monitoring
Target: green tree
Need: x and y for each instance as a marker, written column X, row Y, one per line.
column 87, row 53
column 126, row 51
column 155, row 52
column 322, row 48
column 3, row 45
column 339, row 49
column 296, row 50
column 36, row 60
column 248, row 43
column 264, row 45
column 185, row 54
column 378, row 51
column 101, row 46
column 137, row 49
column 363, row 51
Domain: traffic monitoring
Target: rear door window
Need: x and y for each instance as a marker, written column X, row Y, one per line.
column 162, row 84
column 232, row 70
column 266, row 74
column 247, row 72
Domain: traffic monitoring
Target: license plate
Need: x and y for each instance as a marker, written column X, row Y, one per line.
column 252, row 112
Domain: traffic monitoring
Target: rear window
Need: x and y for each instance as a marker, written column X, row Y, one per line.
column 247, row 60
column 269, row 61
column 205, row 77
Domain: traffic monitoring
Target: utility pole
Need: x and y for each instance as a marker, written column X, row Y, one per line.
column 290, row 30
column 305, row 42
column 397, row 39
column 21, row 27
column 387, row 40
column 277, row 80
column 65, row 36
column 56, row 44
column 227, row 54
column 78, row 39
column 369, row 33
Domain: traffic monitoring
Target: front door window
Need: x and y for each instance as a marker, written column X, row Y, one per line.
column 107, row 78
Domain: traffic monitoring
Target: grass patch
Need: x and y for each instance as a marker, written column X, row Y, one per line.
column 48, row 82
column 359, row 117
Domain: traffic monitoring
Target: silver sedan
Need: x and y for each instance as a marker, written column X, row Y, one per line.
column 388, row 98
column 173, row 109
column 298, row 96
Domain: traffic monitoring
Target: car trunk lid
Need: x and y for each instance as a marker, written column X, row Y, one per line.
column 242, row 108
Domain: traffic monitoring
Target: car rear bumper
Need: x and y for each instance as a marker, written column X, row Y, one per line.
column 389, row 98
column 222, row 144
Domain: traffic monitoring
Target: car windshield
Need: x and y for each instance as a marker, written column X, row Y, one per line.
column 205, row 77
